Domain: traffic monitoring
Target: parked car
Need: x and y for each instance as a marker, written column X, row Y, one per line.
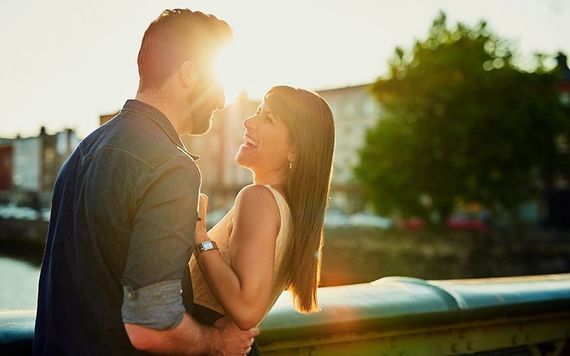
column 335, row 218
column 467, row 222
column 412, row 223
column 369, row 220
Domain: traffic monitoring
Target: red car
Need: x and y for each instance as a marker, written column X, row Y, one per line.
column 412, row 224
column 466, row 222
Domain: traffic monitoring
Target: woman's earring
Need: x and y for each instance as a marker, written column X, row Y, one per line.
column 290, row 164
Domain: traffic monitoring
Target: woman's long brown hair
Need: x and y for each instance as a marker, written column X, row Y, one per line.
column 309, row 120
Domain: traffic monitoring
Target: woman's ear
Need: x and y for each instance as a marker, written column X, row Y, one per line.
column 188, row 74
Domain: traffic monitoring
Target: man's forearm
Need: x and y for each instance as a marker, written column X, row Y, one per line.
column 187, row 338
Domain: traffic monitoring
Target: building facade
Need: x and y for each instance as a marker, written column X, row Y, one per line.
column 6, row 163
column 355, row 110
column 27, row 164
column 37, row 160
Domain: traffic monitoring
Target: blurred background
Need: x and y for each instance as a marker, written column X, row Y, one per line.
column 452, row 117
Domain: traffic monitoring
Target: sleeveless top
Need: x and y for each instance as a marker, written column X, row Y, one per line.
column 221, row 234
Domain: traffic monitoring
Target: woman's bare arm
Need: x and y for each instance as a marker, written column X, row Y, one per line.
column 244, row 288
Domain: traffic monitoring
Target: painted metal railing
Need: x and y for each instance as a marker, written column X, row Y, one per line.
column 404, row 316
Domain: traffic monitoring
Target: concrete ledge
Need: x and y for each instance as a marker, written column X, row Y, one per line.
column 396, row 302
column 453, row 317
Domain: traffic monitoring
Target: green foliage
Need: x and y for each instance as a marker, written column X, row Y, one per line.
column 460, row 123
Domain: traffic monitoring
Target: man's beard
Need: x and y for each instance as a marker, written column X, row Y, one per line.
column 201, row 122
column 203, row 101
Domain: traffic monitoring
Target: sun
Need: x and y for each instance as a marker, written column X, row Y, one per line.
column 225, row 68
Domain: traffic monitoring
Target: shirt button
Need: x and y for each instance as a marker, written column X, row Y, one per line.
column 132, row 295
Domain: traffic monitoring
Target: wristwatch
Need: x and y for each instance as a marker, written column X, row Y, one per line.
column 206, row 246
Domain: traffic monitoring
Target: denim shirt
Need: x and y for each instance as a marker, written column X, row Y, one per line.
column 120, row 236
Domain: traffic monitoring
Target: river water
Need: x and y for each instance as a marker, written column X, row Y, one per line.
column 18, row 284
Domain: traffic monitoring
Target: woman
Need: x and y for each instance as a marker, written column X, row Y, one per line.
column 271, row 239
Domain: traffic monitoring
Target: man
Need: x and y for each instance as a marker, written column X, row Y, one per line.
column 115, row 278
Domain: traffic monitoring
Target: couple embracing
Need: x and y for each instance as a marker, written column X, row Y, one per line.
column 129, row 267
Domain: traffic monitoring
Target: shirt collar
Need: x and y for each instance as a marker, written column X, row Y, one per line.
column 152, row 113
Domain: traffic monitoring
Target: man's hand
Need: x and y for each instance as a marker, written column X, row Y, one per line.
column 228, row 339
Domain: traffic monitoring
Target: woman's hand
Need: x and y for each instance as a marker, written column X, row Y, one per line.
column 201, row 229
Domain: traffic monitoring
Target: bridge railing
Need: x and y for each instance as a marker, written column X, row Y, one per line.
column 404, row 316
column 408, row 316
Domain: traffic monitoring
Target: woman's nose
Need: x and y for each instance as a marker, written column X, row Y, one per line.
column 248, row 122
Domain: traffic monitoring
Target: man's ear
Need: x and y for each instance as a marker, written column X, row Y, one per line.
column 188, row 74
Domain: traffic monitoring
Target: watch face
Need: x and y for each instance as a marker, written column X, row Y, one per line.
column 208, row 245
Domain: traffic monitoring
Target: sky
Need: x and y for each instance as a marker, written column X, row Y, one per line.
column 65, row 62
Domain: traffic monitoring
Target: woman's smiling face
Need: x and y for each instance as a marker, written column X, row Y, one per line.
column 266, row 144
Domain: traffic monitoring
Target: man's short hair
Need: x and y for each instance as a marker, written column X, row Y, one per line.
column 176, row 36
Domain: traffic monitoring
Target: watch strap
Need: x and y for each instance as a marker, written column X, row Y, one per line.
column 206, row 246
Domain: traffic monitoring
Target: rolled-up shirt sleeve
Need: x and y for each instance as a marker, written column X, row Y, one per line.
column 156, row 306
column 165, row 212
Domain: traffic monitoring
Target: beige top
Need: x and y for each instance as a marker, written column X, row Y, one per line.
column 221, row 233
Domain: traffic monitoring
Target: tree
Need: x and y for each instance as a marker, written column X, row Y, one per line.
column 461, row 123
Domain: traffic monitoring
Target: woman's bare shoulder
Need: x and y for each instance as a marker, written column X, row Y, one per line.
column 257, row 202
column 254, row 192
